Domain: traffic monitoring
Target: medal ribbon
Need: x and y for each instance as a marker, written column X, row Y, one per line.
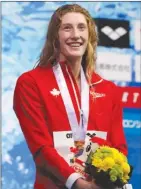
column 78, row 129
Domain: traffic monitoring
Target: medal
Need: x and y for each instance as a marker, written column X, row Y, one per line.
column 79, row 146
column 78, row 129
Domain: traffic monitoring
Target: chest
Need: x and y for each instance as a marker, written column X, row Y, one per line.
column 100, row 106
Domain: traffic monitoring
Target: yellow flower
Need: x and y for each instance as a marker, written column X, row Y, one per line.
column 119, row 159
column 126, row 167
column 113, row 178
column 112, row 161
column 124, row 181
column 98, row 155
column 97, row 162
column 114, row 150
column 105, row 149
column 108, row 162
column 113, row 172
column 118, row 170
column 125, row 158
column 125, row 178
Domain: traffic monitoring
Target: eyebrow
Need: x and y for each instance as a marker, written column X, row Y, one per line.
column 81, row 23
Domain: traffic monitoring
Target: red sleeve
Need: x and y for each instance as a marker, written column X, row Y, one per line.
column 29, row 109
column 116, row 134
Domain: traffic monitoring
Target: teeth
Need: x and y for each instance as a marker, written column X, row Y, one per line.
column 75, row 45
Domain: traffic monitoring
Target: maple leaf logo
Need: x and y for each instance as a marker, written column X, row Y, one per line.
column 55, row 92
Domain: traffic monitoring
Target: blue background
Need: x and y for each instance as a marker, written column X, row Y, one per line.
column 24, row 26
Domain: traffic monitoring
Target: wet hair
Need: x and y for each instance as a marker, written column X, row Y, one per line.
column 50, row 52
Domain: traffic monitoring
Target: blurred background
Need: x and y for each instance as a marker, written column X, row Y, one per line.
column 24, row 26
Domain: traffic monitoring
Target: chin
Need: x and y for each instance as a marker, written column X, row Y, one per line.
column 75, row 54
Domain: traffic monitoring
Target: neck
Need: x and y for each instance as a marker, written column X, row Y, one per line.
column 75, row 66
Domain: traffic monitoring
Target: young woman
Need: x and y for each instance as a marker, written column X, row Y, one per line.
column 63, row 99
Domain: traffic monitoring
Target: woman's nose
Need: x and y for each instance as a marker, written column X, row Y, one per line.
column 75, row 33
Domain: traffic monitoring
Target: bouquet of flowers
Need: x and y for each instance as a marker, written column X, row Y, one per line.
column 108, row 167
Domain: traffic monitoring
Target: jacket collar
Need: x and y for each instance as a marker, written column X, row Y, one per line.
column 96, row 79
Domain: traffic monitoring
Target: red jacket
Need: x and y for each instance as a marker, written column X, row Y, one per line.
column 40, row 113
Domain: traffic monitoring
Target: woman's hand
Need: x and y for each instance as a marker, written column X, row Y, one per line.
column 83, row 184
column 94, row 185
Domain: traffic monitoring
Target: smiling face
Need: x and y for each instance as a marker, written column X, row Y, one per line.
column 73, row 35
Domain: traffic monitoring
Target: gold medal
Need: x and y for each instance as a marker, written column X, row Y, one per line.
column 79, row 144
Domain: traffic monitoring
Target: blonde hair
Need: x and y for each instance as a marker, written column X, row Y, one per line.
column 49, row 53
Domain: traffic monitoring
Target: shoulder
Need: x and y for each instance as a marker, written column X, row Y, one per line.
column 35, row 75
column 33, row 81
column 113, row 90
column 110, row 84
column 109, row 88
column 97, row 80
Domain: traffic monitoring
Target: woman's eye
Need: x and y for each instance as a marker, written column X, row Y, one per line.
column 81, row 27
column 67, row 28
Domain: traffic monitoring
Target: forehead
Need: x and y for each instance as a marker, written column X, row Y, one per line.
column 73, row 18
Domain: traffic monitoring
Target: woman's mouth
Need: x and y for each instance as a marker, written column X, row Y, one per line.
column 74, row 44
